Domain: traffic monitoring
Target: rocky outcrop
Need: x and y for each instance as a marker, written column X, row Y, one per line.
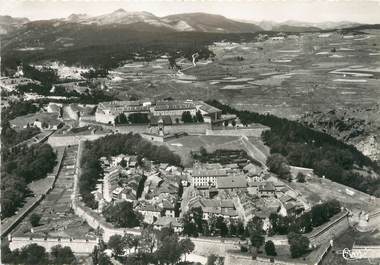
column 357, row 126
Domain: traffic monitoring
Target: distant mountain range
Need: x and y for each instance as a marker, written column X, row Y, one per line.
column 200, row 22
column 188, row 22
column 8, row 23
column 292, row 25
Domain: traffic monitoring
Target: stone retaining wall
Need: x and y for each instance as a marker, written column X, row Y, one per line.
column 78, row 246
column 256, row 132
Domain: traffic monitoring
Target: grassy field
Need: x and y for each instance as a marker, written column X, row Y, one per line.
column 184, row 145
column 318, row 189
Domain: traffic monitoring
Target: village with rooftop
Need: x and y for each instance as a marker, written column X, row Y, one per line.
column 105, row 174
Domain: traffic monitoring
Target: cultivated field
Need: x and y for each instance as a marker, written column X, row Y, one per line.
column 301, row 73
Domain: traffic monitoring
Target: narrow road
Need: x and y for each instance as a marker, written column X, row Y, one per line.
column 253, row 151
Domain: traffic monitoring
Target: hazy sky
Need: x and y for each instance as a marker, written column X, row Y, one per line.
column 363, row 11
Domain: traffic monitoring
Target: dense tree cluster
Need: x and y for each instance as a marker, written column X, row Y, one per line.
column 278, row 164
column 93, row 96
column 132, row 144
column 122, row 215
column 48, row 76
column 11, row 137
column 45, row 75
column 195, row 225
column 16, row 109
column 319, row 214
column 46, row 90
column 299, row 245
column 305, row 147
column 19, row 169
column 93, row 47
column 34, row 254
column 151, row 247
column 134, row 118
column 188, row 118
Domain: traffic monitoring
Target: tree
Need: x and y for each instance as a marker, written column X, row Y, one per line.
column 270, row 248
column 301, row 177
column 189, row 226
column 116, row 243
column 199, row 116
column 221, row 226
column 212, row 260
column 8, row 256
column 187, row 246
column 319, row 214
column 169, row 251
column 257, row 239
column 62, row 255
column 148, row 239
column 278, row 164
column 333, row 207
column 138, row 118
column 131, row 241
column 186, row 117
column 203, row 151
column 255, row 225
column 95, row 255
column 280, row 224
column 33, row 254
column 104, row 259
column 34, row 219
column 121, row 119
column 233, row 123
column 302, row 224
column 299, row 244
column 225, row 123
column 122, row 215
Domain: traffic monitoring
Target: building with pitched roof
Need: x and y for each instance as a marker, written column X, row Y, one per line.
column 151, row 213
column 232, row 182
column 204, row 177
column 267, row 189
column 168, row 221
column 224, row 208
column 169, row 110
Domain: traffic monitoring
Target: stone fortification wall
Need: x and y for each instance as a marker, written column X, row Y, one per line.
column 330, row 230
column 6, row 228
column 95, row 221
column 66, row 140
column 190, row 128
column 78, row 246
column 246, row 260
column 256, row 132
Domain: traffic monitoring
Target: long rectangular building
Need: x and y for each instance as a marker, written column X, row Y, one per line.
column 108, row 111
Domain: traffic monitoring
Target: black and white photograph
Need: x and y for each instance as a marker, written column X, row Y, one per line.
column 190, row 132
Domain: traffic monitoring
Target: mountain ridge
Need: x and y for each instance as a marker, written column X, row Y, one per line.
column 183, row 22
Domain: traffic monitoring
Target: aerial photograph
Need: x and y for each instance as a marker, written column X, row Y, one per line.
column 202, row 132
